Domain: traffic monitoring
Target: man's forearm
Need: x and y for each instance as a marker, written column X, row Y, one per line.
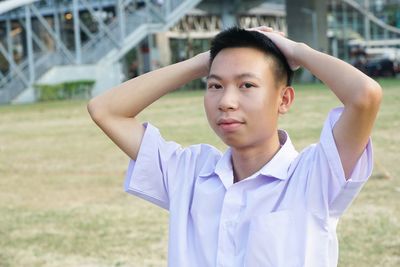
column 349, row 84
column 360, row 95
column 131, row 97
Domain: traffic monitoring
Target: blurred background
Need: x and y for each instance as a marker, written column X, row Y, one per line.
column 77, row 48
column 62, row 201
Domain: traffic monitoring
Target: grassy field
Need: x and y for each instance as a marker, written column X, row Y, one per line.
column 61, row 184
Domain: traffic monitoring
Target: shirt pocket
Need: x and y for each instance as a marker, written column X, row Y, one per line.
column 272, row 241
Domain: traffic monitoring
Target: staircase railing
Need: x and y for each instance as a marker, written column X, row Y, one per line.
column 154, row 15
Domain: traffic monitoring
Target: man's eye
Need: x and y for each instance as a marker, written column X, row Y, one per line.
column 247, row 85
column 214, row 86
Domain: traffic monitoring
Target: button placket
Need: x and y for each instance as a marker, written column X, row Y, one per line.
column 230, row 212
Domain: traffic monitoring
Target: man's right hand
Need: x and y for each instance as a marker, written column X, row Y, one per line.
column 115, row 110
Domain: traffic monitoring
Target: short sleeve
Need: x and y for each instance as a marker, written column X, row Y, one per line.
column 164, row 169
column 327, row 187
column 145, row 175
column 341, row 191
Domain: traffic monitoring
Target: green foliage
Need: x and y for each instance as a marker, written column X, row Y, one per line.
column 198, row 84
column 392, row 14
column 4, row 65
column 69, row 90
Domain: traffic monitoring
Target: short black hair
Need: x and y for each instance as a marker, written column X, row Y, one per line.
column 236, row 37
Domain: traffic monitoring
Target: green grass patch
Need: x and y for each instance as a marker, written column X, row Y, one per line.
column 63, row 91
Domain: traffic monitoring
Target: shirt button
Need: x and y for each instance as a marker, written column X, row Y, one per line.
column 228, row 224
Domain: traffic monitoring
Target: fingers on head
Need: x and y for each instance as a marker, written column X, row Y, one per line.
column 265, row 29
column 262, row 28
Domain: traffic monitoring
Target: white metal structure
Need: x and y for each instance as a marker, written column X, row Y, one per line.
column 100, row 40
column 79, row 39
column 355, row 25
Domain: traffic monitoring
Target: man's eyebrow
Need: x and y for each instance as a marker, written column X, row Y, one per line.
column 247, row 75
column 240, row 76
column 213, row 76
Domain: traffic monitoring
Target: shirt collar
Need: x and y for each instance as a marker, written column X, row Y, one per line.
column 224, row 168
column 277, row 167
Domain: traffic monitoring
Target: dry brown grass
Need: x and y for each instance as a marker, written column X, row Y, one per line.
column 62, row 201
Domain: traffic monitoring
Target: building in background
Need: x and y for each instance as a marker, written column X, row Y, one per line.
column 108, row 41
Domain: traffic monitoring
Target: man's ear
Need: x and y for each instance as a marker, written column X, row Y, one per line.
column 287, row 98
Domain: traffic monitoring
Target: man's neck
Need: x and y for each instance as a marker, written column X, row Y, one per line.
column 247, row 161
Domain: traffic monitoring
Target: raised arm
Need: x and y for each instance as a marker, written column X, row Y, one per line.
column 115, row 110
column 360, row 95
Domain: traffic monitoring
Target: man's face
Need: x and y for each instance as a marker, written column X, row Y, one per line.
column 242, row 98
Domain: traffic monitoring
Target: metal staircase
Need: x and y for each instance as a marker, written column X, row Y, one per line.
column 107, row 43
column 388, row 30
column 374, row 35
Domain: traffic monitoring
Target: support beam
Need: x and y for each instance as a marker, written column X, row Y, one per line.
column 35, row 38
column 121, row 19
column 354, row 20
column 77, row 32
column 100, row 22
column 167, row 7
column 57, row 27
column 13, row 66
column 367, row 26
column 29, row 44
column 9, row 37
column 86, row 30
column 52, row 34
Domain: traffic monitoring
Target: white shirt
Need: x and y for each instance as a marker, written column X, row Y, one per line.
column 283, row 215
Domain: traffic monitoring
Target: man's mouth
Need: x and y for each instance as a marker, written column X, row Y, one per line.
column 229, row 124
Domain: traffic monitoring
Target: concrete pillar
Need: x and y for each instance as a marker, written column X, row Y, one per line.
column 226, row 9
column 307, row 22
column 164, row 51
column 144, row 57
column 140, row 59
column 228, row 15
column 307, row 19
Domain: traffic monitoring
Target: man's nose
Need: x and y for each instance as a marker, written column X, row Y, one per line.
column 228, row 100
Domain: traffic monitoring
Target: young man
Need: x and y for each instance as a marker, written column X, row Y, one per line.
column 260, row 203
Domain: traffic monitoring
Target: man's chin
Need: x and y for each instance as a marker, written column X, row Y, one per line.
column 234, row 142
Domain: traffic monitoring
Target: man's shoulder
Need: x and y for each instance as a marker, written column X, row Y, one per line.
column 308, row 153
column 302, row 160
column 204, row 152
column 154, row 136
